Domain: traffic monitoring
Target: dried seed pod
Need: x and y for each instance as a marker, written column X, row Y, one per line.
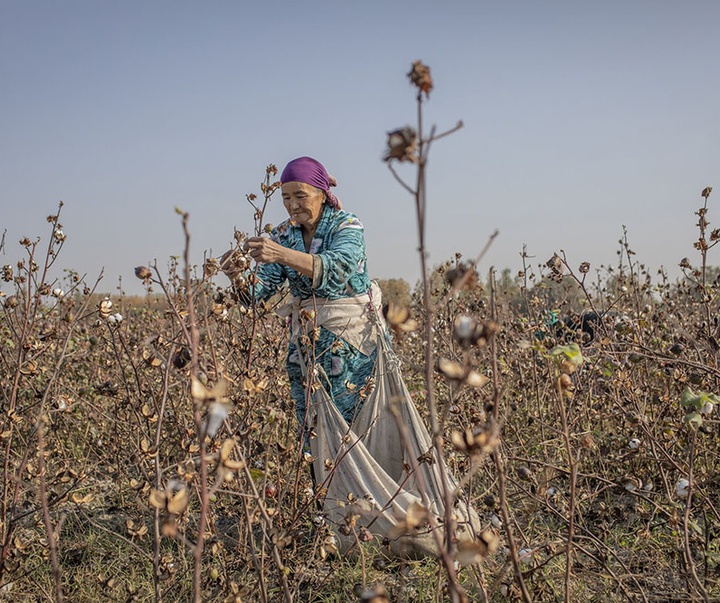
column 470, row 552
column 143, row 273
column 398, row 318
column 460, row 374
column 555, row 263
column 174, row 502
column 565, row 382
column 463, row 276
column 478, row 440
column 181, row 358
column 401, row 145
column 587, row 441
column 105, row 307
column 150, row 356
column 485, row 332
column 234, row 262
column 524, row 473
column 211, row 267
column 420, row 77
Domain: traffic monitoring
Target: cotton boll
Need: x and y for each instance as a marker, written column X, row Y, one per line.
column 62, row 402
column 115, row 319
column 105, row 307
column 217, row 413
column 682, row 487
column 525, row 555
column 330, row 545
column 634, row 444
column 707, row 408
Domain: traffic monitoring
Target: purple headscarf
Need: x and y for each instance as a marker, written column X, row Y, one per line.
column 310, row 171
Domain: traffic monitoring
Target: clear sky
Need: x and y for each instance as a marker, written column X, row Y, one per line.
column 580, row 117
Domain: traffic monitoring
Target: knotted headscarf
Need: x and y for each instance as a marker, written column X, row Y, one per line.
column 310, row 171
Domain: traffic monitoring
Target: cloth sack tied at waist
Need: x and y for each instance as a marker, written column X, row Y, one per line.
column 347, row 317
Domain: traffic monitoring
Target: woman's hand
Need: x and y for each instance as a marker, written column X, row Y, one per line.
column 263, row 249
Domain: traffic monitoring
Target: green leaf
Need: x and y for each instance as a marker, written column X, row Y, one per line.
column 689, row 399
column 257, row 474
column 571, row 352
column 693, row 419
column 695, row 527
column 607, row 369
column 696, row 401
column 707, row 397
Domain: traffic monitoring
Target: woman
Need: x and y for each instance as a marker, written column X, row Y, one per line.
column 320, row 252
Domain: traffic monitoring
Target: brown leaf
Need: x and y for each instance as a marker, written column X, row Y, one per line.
column 470, row 552
column 203, row 394
column 417, row 515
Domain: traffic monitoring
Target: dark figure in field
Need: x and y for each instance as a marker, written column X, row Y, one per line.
column 580, row 328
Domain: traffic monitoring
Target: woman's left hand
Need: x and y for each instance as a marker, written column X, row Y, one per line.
column 263, row 249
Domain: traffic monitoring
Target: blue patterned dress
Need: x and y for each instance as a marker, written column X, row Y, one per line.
column 339, row 242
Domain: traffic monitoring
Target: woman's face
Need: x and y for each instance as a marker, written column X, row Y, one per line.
column 303, row 202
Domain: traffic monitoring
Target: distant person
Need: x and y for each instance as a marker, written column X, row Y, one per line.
column 582, row 327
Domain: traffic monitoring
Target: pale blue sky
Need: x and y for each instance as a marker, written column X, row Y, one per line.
column 579, row 117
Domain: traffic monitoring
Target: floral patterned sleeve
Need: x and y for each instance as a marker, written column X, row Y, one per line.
column 343, row 261
column 270, row 277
